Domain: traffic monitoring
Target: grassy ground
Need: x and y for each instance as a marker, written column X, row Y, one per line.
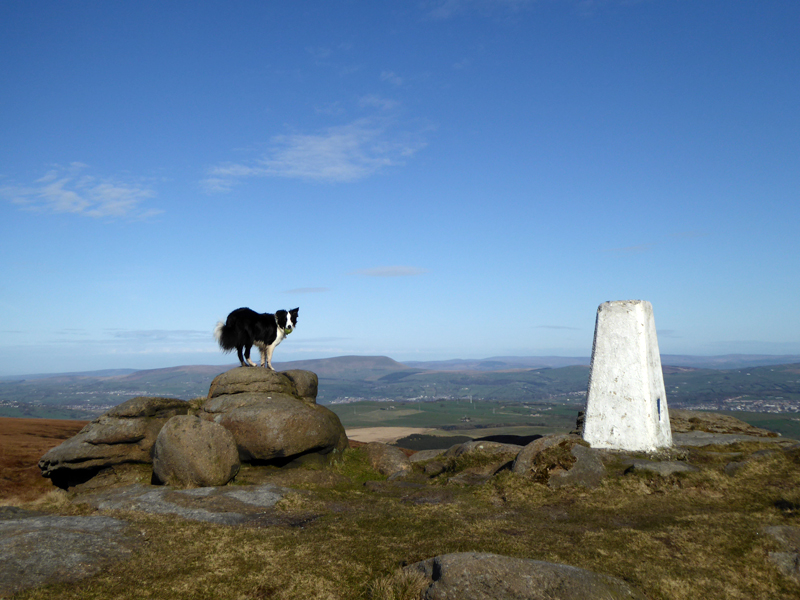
column 347, row 531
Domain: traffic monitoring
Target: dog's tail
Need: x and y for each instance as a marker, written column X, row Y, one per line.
column 219, row 335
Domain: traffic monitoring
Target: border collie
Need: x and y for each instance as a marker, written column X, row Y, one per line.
column 246, row 328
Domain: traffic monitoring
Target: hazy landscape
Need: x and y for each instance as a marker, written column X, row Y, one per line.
column 530, row 392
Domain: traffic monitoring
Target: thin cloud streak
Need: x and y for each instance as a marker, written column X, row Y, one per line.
column 308, row 290
column 395, row 271
column 448, row 9
column 343, row 153
column 629, row 249
column 69, row 190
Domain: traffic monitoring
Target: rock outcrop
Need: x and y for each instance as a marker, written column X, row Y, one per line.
column 42, row 549
column 273, row 416
column 387, row 460
column 684, row 421
column 560, row 460
column 190, row 452
column 480, row 576
column 125, row 434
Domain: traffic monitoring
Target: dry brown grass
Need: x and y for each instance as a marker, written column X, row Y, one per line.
column 22, row 443
column 680, row 537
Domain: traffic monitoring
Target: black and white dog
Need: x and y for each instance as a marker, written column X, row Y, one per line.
column 246, row 328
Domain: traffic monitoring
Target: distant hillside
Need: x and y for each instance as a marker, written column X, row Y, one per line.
column 728, row 361
column 769, row 388
column 346, row 367
column 499, row 363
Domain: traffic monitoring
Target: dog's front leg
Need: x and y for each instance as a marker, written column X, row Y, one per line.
column 262, row 349
column 269, row 358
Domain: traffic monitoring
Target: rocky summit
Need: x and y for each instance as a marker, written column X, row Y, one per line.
column 123, row 435
column 250, row 414
column 273, row 416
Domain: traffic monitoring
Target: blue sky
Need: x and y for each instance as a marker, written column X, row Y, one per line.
column 425, row 180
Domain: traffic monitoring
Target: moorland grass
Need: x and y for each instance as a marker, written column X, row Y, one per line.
column 682, row 537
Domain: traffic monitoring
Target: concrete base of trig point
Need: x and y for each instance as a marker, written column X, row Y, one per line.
column 626, row 406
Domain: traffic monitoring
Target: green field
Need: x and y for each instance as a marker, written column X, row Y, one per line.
column 495, row 418
column 461, row 417
column 787, row 424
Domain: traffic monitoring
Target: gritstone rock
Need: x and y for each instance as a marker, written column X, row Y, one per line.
column 387, row 460
column 49, row 549
column 788, row 558
column 478, row 576
column 559, row 460
column 663, row 468
column 273, row 416
column 485, row 447
column 125, row 434
column 684, row 421
column 190, row 452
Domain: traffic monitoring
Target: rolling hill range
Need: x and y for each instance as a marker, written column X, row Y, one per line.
column 772, row 388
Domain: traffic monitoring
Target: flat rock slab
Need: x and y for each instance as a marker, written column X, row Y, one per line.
column 704, row 438
column 229, row 505
column 663, row 468
column 37, row 550
column 479, row 576
column 788, row 559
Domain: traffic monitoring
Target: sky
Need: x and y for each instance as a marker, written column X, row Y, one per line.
column 425, row 180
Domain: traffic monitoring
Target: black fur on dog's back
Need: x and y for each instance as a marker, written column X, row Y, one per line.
column 245, row 328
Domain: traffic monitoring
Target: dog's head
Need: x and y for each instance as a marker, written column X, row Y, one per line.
column 287, row 320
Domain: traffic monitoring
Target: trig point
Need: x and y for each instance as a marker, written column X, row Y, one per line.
column 626, row 406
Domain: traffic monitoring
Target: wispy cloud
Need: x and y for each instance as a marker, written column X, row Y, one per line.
column 391, row 77
column 396, row 271
column 343, row 153
column 158, row 334
column 379, row 102
column 641, row 248
column 447, row 9
column 71, row 189
column 690, row 235
column 308, row 290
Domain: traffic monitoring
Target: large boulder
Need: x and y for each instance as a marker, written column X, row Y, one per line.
column 485, row 447
column 190, row 452
column 387, row 460
column 273, row 416
column 480, row 576
column 125, row 434
column 559, row 460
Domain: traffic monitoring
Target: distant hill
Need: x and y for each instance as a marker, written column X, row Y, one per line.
column 729, row 361
column 500, row 363
column 690, row 381
column 346, row 367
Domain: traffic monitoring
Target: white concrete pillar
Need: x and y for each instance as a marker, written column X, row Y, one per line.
column 626, row 405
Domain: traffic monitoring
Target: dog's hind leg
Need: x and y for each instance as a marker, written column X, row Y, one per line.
column 250, row 363
column 262, row 349
column 241, row 358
